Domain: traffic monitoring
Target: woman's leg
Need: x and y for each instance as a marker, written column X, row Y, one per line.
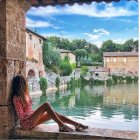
column 50, row 114
column 45, row 117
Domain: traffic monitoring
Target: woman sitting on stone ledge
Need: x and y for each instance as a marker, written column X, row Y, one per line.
column 29, row 118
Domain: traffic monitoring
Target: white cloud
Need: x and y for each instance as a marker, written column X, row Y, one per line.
column 119, row 40
column 54, row 27
column 92, row 36
column 97, row 33
column 57, row 34
column 43, row 11
column 99, row 44
column 92, row 10
column 126, row 20
column 101, row 31
column 39, row 23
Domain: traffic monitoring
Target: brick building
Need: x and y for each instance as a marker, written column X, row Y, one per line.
column 68, row 53
column 34, row 62
column 121, row 62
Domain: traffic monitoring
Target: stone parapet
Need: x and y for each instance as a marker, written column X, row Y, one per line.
column 45, row 131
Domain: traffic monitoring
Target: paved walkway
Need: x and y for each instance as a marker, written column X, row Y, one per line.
column 52, row 89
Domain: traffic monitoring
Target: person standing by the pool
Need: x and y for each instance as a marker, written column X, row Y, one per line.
column 29, row 118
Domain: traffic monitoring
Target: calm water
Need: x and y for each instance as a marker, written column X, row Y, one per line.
column 114, row 107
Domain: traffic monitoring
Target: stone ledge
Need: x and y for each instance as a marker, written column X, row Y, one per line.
column 45, row 131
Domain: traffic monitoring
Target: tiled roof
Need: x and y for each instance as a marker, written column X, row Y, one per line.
column 28, row 30
column 64, row 51
column 37, row 3
column 120, row 54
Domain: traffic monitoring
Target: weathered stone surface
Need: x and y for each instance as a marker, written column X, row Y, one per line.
column 3, row 92
column 3, row 10
column 2, row 49
column 12, row 46
column 7, row 121
column 15, row 13
column 45, row 131
column 7, row 116
column 2, row 30
column 12, row 55
column 5, row 134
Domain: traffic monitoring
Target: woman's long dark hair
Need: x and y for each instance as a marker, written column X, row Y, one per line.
column 19, row 88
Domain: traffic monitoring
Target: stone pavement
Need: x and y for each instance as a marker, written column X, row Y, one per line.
column 45, row 131
column 52, row 89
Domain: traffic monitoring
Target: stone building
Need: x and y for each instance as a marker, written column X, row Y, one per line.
column 98, row 72
column 68, row 53
column 34, row 62
column 121, row 62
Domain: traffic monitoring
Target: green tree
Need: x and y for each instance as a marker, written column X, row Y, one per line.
column 96, row 57
column 128, row 46
column 65, row 44
column 80, row 53
column 43, row 85
column 57, row 82
column 84, row 71
column 136, row 45
column 109, row 46
column 65, row 67
column 51, row 55
column 55, row 41
column 78, row 44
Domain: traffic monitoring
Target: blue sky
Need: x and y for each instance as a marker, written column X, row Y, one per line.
column 96, row 22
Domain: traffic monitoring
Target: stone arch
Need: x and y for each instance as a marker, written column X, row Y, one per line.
column 32, row 68
column 31, row 74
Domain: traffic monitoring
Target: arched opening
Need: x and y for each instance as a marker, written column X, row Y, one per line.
column 31, row 74
column 32, row 81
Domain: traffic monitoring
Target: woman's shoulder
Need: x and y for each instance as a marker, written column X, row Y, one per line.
column 16, row 98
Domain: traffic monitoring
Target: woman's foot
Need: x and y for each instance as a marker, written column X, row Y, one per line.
column 65, row 128
column 80, row 127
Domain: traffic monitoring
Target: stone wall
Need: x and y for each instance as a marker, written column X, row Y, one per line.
column 34, row 52
column 127, row 64
column 12, row 58
column 71, row 56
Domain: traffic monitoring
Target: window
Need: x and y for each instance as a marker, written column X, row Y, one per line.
column 124, row 59
column 114, row 59
column 30, row 36
column 107, row 59
column 96, row 74
column 40, row 41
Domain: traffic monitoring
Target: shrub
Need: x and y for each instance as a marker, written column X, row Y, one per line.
column 55, row 69
column 84, row 71
column 109, row 82
column 73, row 65
column 135, row 78
column 43, row 85
column 120, row 78
column 128, row 79
column 98, row 82
column 57, row 82
column 114, row 78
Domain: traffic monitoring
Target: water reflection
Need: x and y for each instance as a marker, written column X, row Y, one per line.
column 98, row 104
